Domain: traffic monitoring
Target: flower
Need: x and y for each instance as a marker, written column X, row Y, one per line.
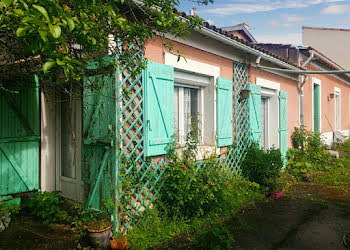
column 185, row 166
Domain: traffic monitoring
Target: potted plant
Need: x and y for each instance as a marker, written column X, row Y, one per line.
column 278, row 190
column 96, row 225
column 99, row 227
column 119, row 242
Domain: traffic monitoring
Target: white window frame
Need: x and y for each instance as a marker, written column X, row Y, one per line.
column 182, row 136
column 317, row 82
column 205, row 69
column 337, row 91
column 270, row 86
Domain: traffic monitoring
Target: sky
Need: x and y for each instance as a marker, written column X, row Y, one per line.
column 275, row 21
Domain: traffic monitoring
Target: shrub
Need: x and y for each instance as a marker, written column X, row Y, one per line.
column 190, row 192
column 214, row 237
column 262, row 167
column 47, row 205
column 309, row 154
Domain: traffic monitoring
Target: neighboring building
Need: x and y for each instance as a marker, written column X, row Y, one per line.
column 241, row 31
column 335, row 43
column 325, row 98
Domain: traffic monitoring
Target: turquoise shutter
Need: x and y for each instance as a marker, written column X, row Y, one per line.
column 224, row 112
column 159, row 108
column 254, row 107
column 283, row 123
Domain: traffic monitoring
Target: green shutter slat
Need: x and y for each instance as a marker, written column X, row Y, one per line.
column 254, row 107
column 159, row 108
column 224, row 112
column 283, row 115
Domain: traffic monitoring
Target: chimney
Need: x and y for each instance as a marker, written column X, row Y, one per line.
column 194, row 12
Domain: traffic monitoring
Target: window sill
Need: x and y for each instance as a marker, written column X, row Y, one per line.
column 203, row 152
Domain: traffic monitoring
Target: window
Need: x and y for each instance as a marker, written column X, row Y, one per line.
column 187, row 110
column 264, row 122
column 337, row 114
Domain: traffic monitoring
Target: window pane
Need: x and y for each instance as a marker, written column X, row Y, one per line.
column 176, row 113
column 68, row 144
column 187, row 111
column 195, row 110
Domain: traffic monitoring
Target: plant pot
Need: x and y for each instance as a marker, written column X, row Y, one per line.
column 119, row 243
column 277, row 195
column 100, row 238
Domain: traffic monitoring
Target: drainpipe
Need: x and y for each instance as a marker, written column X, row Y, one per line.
column 301, row 81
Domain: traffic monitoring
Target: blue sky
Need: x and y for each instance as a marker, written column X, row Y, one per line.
column 275, row 21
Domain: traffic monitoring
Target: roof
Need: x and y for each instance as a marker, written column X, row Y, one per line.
column 242, row 28
column 320, row 58
column 321, row 28
column 252, row 46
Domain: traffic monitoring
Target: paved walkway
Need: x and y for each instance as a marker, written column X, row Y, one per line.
column 296, row 222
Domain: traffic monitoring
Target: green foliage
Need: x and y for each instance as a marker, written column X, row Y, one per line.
column 262, row 167
column 47, row 206
column 8, row 208
column 309, row 154
column 50, row 29
column 214, row 237
column 155, row 227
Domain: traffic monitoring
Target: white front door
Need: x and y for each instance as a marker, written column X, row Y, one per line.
column 70, row 127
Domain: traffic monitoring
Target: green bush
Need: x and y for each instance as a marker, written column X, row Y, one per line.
column 48, row 206
column 214, row 237
column 153, row 228
column 262, row 167
column 190, row 192
column 309, row 154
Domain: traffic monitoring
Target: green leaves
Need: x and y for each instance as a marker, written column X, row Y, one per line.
column 48, row 65
column 70, row 23
column 22, row 31
column 55, row 30
column 6, row 3
column 43, row 11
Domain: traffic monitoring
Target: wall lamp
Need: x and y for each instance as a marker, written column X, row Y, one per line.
column 244, row 95
column 331, row 96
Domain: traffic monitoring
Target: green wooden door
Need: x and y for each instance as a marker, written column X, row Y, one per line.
column 19, row 137
column 99, row 138
column 316, row 108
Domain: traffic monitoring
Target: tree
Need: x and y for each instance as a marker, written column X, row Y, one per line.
column 56, row 39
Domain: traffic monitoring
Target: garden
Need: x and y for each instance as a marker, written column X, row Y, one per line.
column 197, row 203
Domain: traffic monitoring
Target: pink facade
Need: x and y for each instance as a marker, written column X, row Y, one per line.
column 328, row 83
column 155, row 52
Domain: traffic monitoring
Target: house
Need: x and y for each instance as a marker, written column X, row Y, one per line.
column 79, row 142
column 324, row 99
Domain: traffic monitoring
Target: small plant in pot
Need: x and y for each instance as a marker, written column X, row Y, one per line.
column 92, row 226
column 278, row 191
column 99, row 227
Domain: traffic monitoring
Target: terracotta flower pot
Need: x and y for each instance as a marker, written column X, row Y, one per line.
column 278, row 195
column 119, row 243
column 100, row 238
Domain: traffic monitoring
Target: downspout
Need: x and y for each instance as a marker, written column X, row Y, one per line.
column 301, row 81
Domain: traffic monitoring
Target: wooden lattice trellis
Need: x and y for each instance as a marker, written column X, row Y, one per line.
column 140, row 178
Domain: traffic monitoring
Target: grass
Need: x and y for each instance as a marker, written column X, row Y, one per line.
column 154, row 229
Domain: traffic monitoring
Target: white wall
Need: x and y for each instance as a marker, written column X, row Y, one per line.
column 335, row 44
